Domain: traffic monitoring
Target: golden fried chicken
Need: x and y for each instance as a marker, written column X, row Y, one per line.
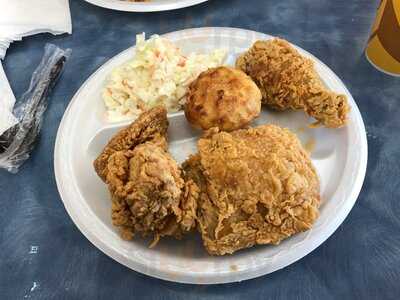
column 149, row 126
column 222, row 97
column 257, row 186
column 288, row 80
column 148, row 193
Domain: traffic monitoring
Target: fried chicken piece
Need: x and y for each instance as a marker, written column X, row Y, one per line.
column 149, row 195
column 222, row 97
column 257, row 186
column 288, row 80
column 149, row 126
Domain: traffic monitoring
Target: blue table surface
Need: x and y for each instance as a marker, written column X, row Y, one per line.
column 43, row 254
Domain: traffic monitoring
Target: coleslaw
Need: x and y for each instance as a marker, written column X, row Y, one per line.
column 157, row 74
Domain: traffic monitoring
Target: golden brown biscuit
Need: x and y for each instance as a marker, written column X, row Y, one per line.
column 222, row 97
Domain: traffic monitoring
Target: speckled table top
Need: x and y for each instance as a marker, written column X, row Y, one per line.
column 44, row 256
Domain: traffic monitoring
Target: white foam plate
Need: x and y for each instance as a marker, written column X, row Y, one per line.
column 339, row 155
column 152, row 5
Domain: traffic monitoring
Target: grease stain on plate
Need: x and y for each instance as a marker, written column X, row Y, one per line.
column 233, row 268
column 310, row 145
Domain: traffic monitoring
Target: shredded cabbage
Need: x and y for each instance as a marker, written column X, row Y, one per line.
column 157, row 74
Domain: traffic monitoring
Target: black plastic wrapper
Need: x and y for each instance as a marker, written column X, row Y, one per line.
column 17, row 142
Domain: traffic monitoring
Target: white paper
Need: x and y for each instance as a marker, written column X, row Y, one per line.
column 7, row 101
column 20, row 18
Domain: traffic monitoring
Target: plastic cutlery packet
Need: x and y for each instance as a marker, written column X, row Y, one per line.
column 18, row 140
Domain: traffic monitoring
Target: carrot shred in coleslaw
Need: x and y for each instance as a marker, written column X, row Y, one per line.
column 157, row 74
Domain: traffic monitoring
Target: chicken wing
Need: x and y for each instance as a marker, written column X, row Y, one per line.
column 149, row 195
column 149, row 126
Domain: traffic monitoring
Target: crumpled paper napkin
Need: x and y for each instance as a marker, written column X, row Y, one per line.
column 20, row 18
column 7, row 100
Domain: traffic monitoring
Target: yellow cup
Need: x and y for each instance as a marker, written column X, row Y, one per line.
column 383, row 49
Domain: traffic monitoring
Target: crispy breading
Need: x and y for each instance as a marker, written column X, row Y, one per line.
column 222, row 97
column 288, row 80
column 257, row 186
column 150, row 126
column 149, row 195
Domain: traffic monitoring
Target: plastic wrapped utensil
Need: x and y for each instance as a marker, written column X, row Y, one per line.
column 17, row 142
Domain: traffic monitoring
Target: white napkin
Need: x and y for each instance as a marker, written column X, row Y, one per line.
column 20, row 18
column 7, row 101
